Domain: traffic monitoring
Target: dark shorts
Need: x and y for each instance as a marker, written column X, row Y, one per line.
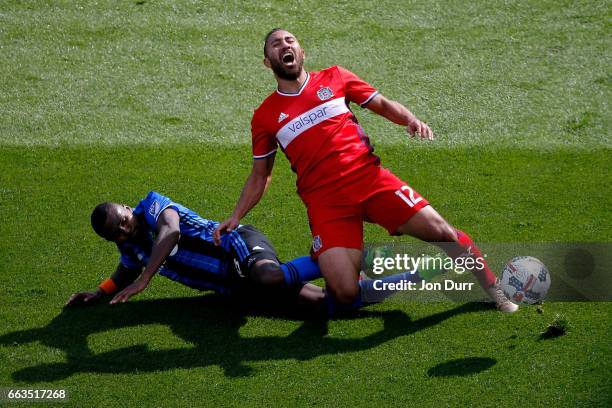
column 237, row 258
column 258, row 248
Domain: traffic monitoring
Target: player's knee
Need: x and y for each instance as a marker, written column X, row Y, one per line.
column 448, row 233
column 344, row 294
column 443, row 231
column 267, row 274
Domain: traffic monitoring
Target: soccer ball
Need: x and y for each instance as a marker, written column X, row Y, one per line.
column 525, row 280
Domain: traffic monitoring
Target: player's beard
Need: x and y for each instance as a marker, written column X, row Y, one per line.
column 283, row 72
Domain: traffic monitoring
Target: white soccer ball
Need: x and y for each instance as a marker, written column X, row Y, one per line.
column 525, row 280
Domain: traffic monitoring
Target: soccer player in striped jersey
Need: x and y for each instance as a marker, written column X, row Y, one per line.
column 339, row 179
column 160, row 234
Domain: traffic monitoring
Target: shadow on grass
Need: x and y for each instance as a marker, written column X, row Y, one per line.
column 461, row 367
column 211, row 324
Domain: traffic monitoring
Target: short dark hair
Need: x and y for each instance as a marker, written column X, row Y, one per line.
column 268, row 37
column 98, row 218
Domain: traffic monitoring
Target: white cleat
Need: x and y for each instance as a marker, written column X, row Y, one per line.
column 502, row 303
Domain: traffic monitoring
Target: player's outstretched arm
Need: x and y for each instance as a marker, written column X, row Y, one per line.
column 121, row 278
column 168, row 234
column 254, row 188
column 399, row 114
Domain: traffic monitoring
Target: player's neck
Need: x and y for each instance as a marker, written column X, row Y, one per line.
column 291, row 86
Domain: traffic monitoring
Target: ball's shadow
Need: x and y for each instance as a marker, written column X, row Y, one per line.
column 462, row 367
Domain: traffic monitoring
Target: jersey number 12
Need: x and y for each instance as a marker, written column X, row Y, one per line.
column 409, row 199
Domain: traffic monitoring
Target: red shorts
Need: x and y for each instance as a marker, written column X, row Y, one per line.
column 336, row 218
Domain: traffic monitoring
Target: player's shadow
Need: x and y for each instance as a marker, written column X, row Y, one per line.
column 211, row 324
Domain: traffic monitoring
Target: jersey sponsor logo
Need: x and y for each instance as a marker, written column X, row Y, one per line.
column 317, row 244
column 282, row 117
column 313, row 117
column 154, row 208
column 325, row 93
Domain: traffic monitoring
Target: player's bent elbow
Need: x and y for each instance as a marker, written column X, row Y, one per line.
column 172, row 235
column 176, row 234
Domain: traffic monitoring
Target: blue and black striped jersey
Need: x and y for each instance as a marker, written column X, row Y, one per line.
column 196, row 261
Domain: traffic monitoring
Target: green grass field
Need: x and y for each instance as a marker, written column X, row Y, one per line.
column 108, row 100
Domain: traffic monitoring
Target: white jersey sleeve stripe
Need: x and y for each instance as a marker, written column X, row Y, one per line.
column 263, row 156
column 313, row 117
column 369, row 99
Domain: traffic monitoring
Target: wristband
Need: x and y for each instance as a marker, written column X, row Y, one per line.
column 108, row 286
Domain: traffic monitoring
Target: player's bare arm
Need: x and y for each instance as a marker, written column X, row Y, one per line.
column 168, row 234
column 399, row 114
column 121, row 278
column 254, row 188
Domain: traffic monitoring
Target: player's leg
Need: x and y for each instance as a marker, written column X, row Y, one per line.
column 428, row 225
column 340, row 268
column 337, row 241
column 269, row 272
column 344, row 291
column 418, row 219
column 260, row 262
column 298, row 270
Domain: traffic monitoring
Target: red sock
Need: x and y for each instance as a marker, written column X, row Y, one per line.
column 485, row 276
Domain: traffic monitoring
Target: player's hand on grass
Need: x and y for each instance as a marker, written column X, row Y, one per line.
column 131, row 290
column 82, row 298
column 418, row 128
column 225, row 227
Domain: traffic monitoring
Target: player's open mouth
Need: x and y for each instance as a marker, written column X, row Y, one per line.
column 288, row 58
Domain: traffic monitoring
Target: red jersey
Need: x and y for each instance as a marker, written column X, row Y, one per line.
column 317, row 131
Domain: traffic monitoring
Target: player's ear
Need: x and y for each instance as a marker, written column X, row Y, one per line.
column 266, row 62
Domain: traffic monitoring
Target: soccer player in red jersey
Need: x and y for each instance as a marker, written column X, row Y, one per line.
column 339, row 179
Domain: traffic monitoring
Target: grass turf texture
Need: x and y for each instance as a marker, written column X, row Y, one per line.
column 530, row 72
column 392, row 353
column 97, row 98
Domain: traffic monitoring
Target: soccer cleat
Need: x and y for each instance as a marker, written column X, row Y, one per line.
column 502, row 303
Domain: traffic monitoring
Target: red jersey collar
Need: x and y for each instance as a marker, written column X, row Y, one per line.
column 299, row 91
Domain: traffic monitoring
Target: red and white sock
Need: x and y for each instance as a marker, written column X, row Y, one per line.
column 485, row 276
